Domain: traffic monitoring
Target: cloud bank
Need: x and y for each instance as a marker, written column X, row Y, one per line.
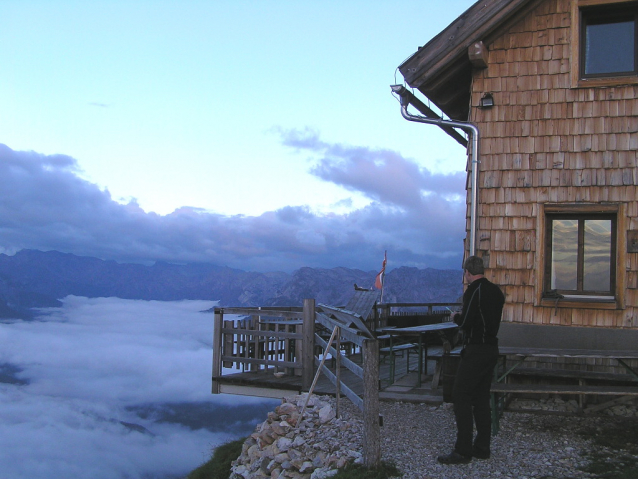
column 108, row 388
column 416, row 215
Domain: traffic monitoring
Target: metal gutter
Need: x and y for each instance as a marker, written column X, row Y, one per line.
column 472, row 130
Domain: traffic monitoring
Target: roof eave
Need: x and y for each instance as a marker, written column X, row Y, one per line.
column 445, row 56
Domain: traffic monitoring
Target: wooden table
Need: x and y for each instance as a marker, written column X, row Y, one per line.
column 416, row 331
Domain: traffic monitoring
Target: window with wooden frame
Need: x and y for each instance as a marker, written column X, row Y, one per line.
column 580, row 255
column 605, row 42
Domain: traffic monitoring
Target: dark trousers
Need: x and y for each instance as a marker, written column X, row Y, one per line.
column 471, row 397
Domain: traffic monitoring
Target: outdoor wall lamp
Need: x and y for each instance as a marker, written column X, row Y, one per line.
column 486, row 101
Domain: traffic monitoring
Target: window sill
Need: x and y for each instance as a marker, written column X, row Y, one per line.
column 582, row 302
column 603, row 82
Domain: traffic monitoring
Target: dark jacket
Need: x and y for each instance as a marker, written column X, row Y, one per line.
column 481, row 315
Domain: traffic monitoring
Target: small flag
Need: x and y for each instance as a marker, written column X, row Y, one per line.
column 378, row 282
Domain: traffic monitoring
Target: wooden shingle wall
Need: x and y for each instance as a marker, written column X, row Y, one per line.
column 546, row 142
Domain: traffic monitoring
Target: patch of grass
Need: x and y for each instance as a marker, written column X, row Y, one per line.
column 616, row 456
column 218, row 466
column 618, row 466
column 355, row 471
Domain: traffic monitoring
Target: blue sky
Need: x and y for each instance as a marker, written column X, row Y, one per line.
column 258, row 134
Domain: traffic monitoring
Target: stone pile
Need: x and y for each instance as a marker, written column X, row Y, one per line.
column 288, row 445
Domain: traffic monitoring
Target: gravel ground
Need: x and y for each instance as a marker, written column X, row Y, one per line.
column 527, row 446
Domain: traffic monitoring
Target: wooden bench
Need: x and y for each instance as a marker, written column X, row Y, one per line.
column 393, row 351
column 399, row 348
column 564, row 389
column 437, row 355
column 521, row 341
column 575, row 374
column 421, row 333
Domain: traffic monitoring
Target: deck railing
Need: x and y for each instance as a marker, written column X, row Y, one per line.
column 273, row 337
column 267, row 338
column 262, row 338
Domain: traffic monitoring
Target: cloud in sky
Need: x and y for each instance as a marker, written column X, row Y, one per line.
column 92, row 381
column 417, row 215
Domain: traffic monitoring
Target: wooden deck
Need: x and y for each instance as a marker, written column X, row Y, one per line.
column 264, row 383
column 276, row 352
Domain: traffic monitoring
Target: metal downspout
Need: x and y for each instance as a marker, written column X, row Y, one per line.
column 473, row 132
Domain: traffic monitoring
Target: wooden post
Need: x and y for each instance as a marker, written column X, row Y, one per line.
column 217, row 350
column 228, row 344
column 296, row 354
column 253, row 352
column 308, row 343
column 371, row 431
column 384, row 314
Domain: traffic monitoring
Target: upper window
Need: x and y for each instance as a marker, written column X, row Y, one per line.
column 581, row 254
column 608, row 41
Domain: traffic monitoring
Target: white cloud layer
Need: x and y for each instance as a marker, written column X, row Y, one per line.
column 416, row 215
column 99, row 386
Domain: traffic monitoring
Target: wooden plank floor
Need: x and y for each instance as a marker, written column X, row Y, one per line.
column 404, row 387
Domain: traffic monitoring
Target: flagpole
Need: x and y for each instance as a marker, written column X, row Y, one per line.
column 382, row 286
column 381, row 275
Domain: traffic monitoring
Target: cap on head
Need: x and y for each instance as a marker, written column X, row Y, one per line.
column 474, row 265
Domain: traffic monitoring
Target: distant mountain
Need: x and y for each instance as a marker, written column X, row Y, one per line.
column 33, row 279
column 335, row 286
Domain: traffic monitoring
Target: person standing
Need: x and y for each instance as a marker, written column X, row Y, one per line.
column 478, row 322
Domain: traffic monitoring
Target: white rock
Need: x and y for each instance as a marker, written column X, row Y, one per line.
column 286, row 408
column 326, row 414
column 241, row 471
column 298, row 441
column 253, row 452
column 323, row 473
column 283, row 444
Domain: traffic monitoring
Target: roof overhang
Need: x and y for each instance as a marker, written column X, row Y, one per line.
column 442, row 70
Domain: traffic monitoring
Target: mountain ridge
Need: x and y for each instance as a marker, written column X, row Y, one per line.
column 35, row 279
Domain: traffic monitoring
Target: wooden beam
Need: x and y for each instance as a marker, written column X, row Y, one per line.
column 346, row 333
column 262, row 312
column 261, row 362
column 451, row 44
column 256, row 391
column 429, row 113
column 263, row 334
column 217, row 351
column 308, row 343
column 352, row 366
column 371, row 428
column 349, row 318
column 356, row 400
column 477, row 52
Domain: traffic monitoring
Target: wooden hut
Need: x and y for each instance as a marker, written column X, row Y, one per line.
column 552, row 86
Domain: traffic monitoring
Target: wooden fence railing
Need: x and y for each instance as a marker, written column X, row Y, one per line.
column 368, row 372
column 263, row 338
column 285, row 339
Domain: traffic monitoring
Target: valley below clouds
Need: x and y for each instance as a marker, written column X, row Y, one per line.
column 107, row 388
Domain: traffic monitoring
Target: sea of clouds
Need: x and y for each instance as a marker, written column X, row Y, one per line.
column 106, row 388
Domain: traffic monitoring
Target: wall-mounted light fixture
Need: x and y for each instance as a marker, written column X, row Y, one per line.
column 486, row 101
